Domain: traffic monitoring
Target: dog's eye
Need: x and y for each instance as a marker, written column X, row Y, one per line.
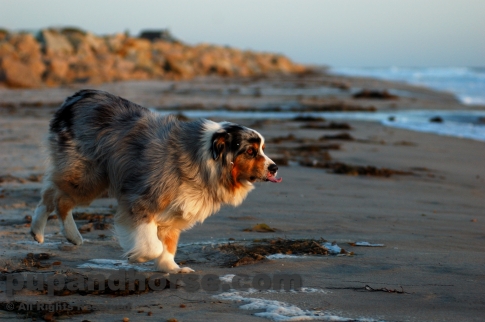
column 250, row 151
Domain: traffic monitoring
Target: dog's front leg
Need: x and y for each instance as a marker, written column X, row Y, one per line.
column 166, row 262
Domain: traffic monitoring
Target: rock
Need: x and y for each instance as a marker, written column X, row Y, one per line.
column 7, row 49
column 28, row 50
column 54, row 43
column 56, row 71
column 16, row 74
column 123, row 69
column 178, row 67
column 372, row 94
column 115, row 42
column 71, row 55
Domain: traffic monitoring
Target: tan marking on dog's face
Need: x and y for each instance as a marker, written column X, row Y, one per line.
column 250, row 165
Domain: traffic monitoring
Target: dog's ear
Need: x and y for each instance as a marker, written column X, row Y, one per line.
column 219, row 143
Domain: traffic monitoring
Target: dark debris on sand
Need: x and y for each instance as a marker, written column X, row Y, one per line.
column 315, row 154
column 375, row 94
column 354, row 170
column 308, row 118
column 243, row 254
column 95, row 221
column 10, row 178
column 309, row 106
column 330, row 126
column 317, row 147
column 279, row 139
column 340, row 136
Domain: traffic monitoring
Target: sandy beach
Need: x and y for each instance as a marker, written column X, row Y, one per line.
column 428, row 216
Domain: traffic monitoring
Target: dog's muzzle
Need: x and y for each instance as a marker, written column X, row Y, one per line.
column 272, row 169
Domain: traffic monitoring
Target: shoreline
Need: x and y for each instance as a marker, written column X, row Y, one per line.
column 430, row 221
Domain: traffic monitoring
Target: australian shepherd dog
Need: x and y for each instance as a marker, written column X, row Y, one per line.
column 166, row 174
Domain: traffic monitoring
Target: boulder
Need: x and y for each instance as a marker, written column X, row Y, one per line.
column 115, row 42
column 178, row 68
column 14, row 73
column 7, row 49
column 28, row 50
column 123, row 69
column 54, row 43
column 56, row 71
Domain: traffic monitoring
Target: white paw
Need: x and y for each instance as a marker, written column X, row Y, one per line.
column 39, row 237
column 75, row 240
column 69, row 229
column 38, row 223
column 182, row 270
column 74, row 237
column 172, row 268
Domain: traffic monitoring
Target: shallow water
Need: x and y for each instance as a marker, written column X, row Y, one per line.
column 462, row 124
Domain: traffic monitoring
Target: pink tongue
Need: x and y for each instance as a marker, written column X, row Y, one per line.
column 275, row 180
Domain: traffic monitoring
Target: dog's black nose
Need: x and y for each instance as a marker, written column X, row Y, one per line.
column 273, row 168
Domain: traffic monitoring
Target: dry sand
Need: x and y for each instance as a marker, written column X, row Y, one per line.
column 432, row 222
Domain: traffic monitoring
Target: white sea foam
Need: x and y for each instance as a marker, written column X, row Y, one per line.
column 278, row 310
column 367, row 244
column 211, row 243
column 115, row 264
column 333, row 249
column 283, row 256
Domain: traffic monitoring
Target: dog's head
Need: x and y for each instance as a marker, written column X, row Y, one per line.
column 241, row 150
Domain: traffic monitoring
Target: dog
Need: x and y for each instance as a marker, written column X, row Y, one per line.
column 166, row 174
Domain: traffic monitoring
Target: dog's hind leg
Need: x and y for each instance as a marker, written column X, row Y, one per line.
column 45, row 207
column 166, row 261
column 64, row 208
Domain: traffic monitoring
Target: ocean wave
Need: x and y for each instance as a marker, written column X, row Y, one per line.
column 466, row 83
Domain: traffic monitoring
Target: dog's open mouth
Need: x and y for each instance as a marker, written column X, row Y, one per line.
column 272, row 178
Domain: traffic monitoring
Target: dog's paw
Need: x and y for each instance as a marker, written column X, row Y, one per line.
column 182, row 270
column 172, row 268
column 70, row 231
column 38, row 237
column 75, row 240
column 74, row 237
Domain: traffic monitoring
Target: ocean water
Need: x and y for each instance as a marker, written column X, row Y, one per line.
column 467, row 124
column 466, row 83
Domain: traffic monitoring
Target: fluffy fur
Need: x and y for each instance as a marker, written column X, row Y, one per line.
column 166, row 174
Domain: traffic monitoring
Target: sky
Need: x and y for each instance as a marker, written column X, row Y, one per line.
column 339, row 33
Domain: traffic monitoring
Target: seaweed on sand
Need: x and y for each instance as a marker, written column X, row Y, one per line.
column 243, row 254
column 354, row 170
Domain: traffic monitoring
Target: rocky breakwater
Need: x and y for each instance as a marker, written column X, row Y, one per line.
column 53, row 57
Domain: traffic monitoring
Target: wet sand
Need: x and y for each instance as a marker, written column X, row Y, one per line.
column 431, row 222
